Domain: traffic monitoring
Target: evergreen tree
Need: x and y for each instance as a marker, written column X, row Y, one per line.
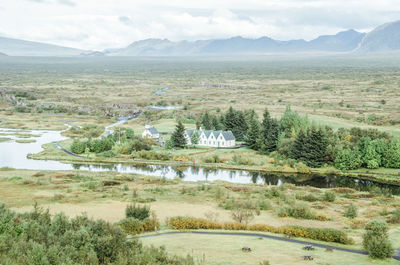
column 252, row 135
column 310, row 147
column 216, row 125
column 299, row 147
column 194, row 138
column 235, row 121
column 178, row 139
column 206, row 121
column 271, row 140
column 230, row 120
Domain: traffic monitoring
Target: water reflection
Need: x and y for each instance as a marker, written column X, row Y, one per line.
column 14, row 155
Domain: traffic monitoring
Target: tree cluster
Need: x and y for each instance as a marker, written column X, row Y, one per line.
column 37, row 238
column 293, row 136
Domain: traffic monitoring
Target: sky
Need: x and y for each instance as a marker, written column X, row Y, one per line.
column 102, row 24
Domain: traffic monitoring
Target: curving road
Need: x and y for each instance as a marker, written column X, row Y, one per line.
column 319, row 245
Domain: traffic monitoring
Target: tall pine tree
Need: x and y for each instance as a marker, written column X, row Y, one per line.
column 178, row 139
column 253, row 134
column 206, row 121
column 269, row 133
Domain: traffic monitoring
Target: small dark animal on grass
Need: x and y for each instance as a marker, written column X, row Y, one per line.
column 329, row 250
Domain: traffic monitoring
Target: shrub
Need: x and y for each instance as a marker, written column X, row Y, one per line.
column 78, row 147
column 132, row 225
column 243, row 212
column 351, row 211
column 151, row 155
column 395, row 218
column 322, row 234
column 212, row 159
column 108, row 154
column 299, row 211
column 329, row 196
column 376, row 240
column 36, row 238
column 264, row 205
column 308, row 197
column 140, row 144
column 240, row 160
column 137, row 211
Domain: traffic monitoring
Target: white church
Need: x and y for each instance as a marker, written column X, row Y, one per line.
column 218, row 139
column 151, row 132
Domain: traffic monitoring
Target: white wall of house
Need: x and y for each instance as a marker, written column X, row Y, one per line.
column 212, row 140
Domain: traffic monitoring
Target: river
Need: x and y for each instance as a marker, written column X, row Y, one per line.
column 14, row 155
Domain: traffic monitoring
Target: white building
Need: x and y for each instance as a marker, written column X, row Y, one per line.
column 152, row 133
column 218, row 139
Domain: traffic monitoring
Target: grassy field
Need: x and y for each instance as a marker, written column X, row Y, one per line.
column 224, row 249
column 105, row 195
column 347, row 89
column 47, row 94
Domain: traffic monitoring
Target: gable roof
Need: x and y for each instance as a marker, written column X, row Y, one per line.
column 153, row 131
column 228, row 135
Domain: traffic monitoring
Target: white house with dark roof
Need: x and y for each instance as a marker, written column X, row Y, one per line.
column 218, row 139
column 150, row 132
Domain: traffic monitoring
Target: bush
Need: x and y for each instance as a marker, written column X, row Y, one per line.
column 395, row 218
column 329, row 196
column 299, row 211
column 322, row 234
column 151, row 155
column 351, row 211
column 108, row 154
column 132, row 225
column 36, row 238
column 376, row 240
column 212, row 159
column 78, row 147
column 308, row 197
column 137, row 212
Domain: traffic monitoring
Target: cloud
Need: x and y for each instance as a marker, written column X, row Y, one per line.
column 94, row 24
column 62, row 2
column 125, row 20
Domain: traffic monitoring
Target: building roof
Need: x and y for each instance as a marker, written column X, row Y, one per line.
column 228, row 135
column 153, row 131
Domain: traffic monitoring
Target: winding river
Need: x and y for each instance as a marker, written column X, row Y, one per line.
column 14, row 155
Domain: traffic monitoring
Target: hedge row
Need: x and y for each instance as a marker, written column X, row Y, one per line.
column 322, row 234
column 134, row 226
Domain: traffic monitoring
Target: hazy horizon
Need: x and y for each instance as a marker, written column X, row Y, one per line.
column 99, row 25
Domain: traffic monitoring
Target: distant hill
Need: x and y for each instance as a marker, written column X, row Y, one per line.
column 3, row 54
column 14, row 47
column 384, row 38
column 341, row 42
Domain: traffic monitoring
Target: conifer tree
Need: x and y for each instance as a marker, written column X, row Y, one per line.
column 178, row 139
column 194, row 138
column 253, row 134
column 269, row 133
column 206, row 121
column 216, row 125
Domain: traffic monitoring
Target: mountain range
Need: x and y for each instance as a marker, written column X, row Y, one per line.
column 384, row 38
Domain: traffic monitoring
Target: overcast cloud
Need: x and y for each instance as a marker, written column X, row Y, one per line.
column 101, row 24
